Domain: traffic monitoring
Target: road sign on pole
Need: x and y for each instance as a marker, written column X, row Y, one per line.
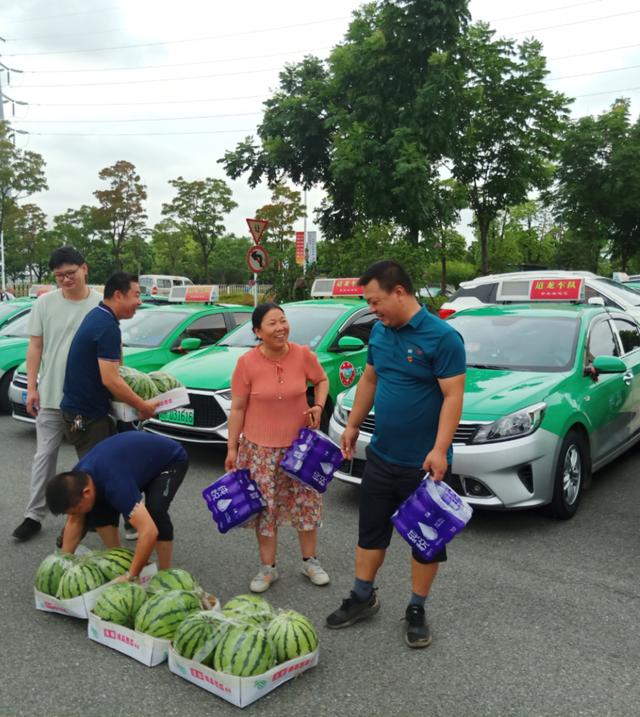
column 257, row 227
column 257, row 259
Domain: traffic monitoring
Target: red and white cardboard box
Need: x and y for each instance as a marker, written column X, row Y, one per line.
column 166, row 401
column 148, row 650
column 82, row 605
column 240, row 691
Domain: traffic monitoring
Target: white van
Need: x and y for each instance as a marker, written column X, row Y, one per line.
column 160, row 284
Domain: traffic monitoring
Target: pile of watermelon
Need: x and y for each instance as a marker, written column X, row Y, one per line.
column 247, row 638
column 150, row 385
column 67, row 576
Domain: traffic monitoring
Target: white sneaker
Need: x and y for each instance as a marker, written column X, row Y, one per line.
column 315, row 572
column 130, row 533
column 264, row 579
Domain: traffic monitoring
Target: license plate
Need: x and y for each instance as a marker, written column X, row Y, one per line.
column 24, row 397
column 183, row 416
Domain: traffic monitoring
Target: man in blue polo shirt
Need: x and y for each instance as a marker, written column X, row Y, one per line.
column 92, row 377
column 110, row 481
column 415, row 372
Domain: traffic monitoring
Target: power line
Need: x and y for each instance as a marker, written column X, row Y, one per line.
column 576, row 22
column 607, row 92
column 189, row 39
column 592, row 52
column 138, row 134
column 139, row 119
column 157, row 79
column 63, row 14
column 596, row 72
column 544, row 12
column 174, row 64
column 152, row 102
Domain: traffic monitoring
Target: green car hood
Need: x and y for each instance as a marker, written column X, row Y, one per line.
column 210, row 369
column 13, row 350
column 491, row 394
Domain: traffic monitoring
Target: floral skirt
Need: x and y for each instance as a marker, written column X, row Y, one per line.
column 289, row 502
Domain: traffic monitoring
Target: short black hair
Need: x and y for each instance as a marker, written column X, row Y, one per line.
column 388, row 274
column 260, row 312
column 119, row 281
column 65, row 255
column 64, row 491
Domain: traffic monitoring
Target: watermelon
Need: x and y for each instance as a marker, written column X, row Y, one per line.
column 82, row 577
column 163, row 612
column 243, row 651
column 164, row 381
column 172, row 579
column 113, row 562
column 198, row 634
column 139, row 383
column 251, row 609
column 291, row 635
column 120, row 603
column 50, row 571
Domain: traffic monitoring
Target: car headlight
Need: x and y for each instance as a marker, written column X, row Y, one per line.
column 515, row 425
column 340, row 413
column 225, row 395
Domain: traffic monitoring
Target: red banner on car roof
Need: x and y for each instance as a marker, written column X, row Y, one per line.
column 346, row 287
column 556, row 289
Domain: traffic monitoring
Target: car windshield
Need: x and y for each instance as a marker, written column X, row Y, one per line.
column 150, row 328
column 307, row 325
column 518, row 343
column 628, row 294
column 6, row 309
column 17, row 327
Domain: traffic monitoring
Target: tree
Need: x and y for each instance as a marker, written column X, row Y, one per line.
column 173, row 249
column 509, row 125
column 120, row 213
column 366, row 124
column 21, row 173
column 34, row 244
column 199, row 207
column 284, row 210
column 229, row 261
column 597, row 184
column 80, row 228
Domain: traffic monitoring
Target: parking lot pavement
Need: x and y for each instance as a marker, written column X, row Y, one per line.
column 530, row 616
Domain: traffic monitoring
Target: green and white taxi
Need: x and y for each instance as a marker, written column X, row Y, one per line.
column 154, row 337
column 552, row 393
column 336, row 324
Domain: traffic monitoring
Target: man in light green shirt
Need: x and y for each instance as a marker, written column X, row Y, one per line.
column 53, row 322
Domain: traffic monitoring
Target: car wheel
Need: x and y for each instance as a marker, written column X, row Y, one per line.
column 5, row 403
column 572, row 470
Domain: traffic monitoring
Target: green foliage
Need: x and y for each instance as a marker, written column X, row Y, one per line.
column 120, row 213
column 199, row 208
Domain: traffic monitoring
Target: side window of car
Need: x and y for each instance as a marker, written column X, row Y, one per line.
column 602, row 342
column 209, row 329
column 164, row 283
column 241, row 317
column 360, row 328
column 629, row 335
column 590, row 292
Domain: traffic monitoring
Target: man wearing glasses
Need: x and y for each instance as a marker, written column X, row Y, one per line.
column 53, row 322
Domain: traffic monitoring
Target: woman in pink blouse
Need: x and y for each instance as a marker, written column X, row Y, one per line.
column 268, row 408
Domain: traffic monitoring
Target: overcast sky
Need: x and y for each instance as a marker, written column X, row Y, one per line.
column 170, row 86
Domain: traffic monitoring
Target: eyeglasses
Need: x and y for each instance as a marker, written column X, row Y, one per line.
column 62, row 275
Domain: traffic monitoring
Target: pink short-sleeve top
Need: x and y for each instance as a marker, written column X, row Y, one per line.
column 277, row 393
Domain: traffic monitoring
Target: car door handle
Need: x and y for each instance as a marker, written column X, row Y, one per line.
column 628, row 377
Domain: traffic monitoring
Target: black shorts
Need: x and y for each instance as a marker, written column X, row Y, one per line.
column 384, row 487
column 158, row 494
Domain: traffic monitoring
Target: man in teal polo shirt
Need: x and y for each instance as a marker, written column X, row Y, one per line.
column 415, row 374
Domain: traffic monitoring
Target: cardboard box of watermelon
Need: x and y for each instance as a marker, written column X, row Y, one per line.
column 71, row 584
column 155, row 386
column 246, row 651
column 140, row 622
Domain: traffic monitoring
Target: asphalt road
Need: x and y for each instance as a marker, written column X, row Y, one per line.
column 530, row 616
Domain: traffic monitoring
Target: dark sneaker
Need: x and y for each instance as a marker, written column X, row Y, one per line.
column 26, row 530
column 418, row 633
column 353, row 610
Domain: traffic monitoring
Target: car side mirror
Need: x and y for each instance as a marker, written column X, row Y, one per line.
column 350, row 343
column 609, row 364
column 190, row 344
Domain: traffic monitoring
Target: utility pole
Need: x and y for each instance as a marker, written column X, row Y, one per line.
column 304, row 244
column 3, row 281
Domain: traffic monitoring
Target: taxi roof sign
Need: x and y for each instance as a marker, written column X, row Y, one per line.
column 328, row 288
column 195, row 294
column 543, row 289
